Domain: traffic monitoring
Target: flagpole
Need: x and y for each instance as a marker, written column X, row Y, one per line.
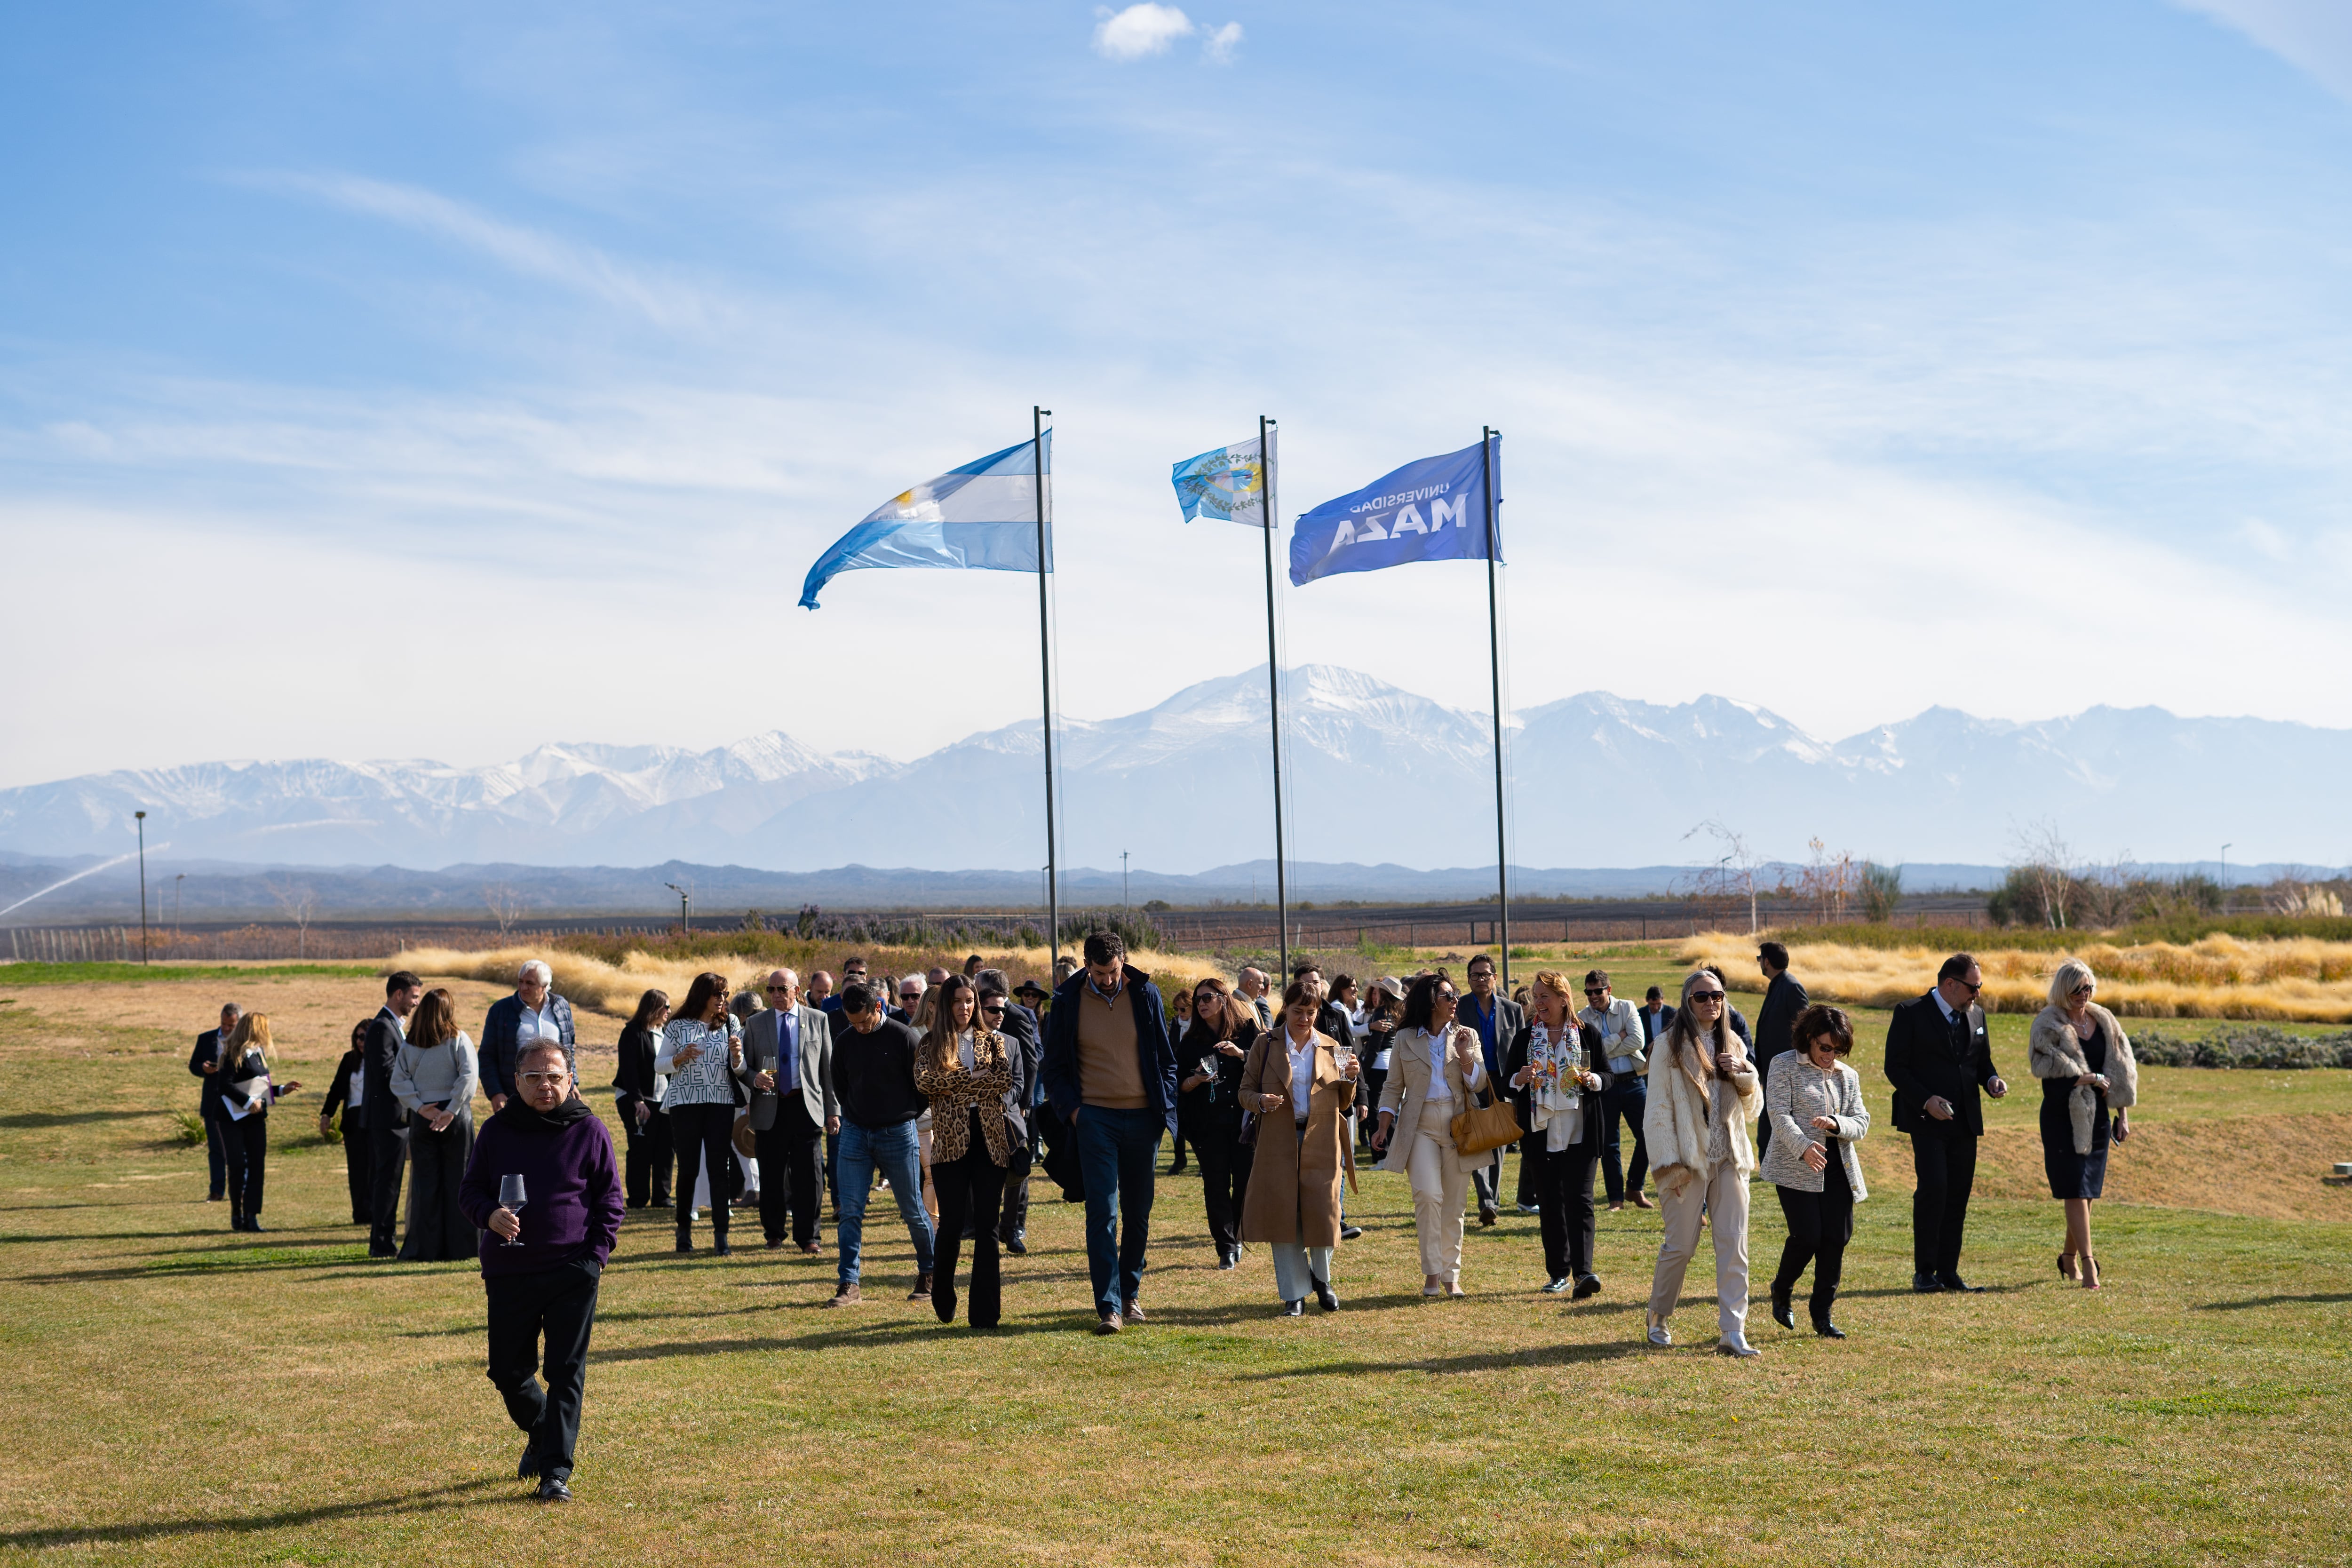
column 1274, row 709
column 1495, row 664
column 1045, row 670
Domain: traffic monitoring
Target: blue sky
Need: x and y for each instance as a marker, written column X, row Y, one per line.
column 437, row 381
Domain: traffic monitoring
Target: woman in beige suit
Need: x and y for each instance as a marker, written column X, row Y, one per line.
column 1702, row 1102
column 1434, row 1071
column 1302, row 1095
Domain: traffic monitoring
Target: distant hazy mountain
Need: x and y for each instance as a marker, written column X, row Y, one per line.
column 1375, row 776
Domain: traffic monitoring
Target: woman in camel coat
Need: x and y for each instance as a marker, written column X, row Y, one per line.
column 2080, row 1052
column 1418, row 1104
column 1294, row 1082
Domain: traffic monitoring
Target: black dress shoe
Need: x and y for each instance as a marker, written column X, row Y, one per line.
column 1949, row 1281
column 1927, row 1285
column 1018, row 1246
column 1229, row 1258
column 1781, row 1312
column 1827, row 1329
column 1294, row 1309
column 253, row 1225
column 723, row 1250
column 1587, row 1286
column 684, row 1244
column 528, row 1465
column 552, row 1488
column 1349, row 1232
column 1324, row 1298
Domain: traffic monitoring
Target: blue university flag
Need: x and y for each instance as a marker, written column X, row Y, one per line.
column 981, row 517
column 1434, row 509
column 1228, row 483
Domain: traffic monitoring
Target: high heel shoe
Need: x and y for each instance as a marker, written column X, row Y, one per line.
column 2090, row 1272
column 2066, row 1263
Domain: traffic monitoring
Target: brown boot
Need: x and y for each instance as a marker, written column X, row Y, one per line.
column 847, row 1296
column 922, row 1291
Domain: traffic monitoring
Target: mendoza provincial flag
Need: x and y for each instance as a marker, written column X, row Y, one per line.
column 1434, row 509
column 1228, row 483
column 982, row 517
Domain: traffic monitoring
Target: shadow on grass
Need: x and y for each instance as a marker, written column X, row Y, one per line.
column 30, row 1120
column 270, row 1256
column 1439, row 1366
column 455, row 1495
column 2252, row 1301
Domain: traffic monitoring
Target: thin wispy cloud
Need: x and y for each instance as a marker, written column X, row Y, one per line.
column 1220, row 43
column 2314, row 36
column 525, row 251
column 1147, row 30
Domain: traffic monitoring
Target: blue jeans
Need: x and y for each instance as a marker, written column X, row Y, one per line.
column 1627, row 1102
column 1115, row 1151
column 900, row 1156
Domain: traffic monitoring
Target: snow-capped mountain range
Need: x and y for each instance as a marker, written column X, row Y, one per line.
column 1374, row 774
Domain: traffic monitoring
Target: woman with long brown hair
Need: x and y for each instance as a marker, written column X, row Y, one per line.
column 637, row 1096
column 1301, row 1092
column 702, row 1052
column 433, row 1075
column 1210, row 1057
column 1437, row 1072
column 1702, row 1098
column 247, row 1095
column 966, row 1070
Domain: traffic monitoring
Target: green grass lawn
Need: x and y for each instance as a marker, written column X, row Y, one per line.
column 175, row 1393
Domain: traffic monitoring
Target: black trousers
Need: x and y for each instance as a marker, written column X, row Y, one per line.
column 704, row 1133
column 438, row 1230
column 387, row 1150
column 1488, row 1180
column 792, row 1173
column 969, row 1190
column 1012, row 1223
column 217, row 1155
column 646, row 1172
column 1947, row 1170
column 1563, row 1189
column 560, row 1304
column 359, row 1168
column 1625, row 1103
column 246, row 1145
column 1819, row 1224
column 1225, row 1163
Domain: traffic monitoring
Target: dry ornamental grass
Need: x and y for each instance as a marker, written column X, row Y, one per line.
column 2297, row 978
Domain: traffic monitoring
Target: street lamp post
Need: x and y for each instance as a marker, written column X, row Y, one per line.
column 176, row 904
column 684, row 906
column 1122, row 882
column 2225, row 877
column 144, row 955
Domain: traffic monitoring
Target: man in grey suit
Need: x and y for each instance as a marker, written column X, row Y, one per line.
column 789, row 1049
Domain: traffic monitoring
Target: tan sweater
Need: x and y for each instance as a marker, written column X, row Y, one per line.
column 1110, row 1074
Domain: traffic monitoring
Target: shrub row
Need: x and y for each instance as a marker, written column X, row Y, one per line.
column 2259, row 1046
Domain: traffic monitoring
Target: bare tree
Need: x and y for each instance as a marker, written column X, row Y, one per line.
column 2047, row 864
column 506, row 906
column 1825, row 882
column 1736, row 870
column 301, row 902
column 1881, row 890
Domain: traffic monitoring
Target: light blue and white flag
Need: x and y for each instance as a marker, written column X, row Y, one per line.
column 981, row 517
column 1434, row 509
column 1228, row 483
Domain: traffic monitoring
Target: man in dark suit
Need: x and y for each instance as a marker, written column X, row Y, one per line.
column 1657, row 1016
column 348, row 1093
column 789, row 1049
column 387, row 1119
column 1776, row 1023
column 1937, row 1057
column 204, row 1062
column 1498, row 1020
column 1018, row 1024
column 534, row 1012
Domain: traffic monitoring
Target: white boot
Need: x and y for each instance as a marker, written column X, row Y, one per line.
column 1736, row 1343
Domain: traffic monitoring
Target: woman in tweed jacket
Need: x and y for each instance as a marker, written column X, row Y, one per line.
column 1813, row 1100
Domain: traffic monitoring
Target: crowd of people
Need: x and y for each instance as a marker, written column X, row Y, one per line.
column 953, row 1099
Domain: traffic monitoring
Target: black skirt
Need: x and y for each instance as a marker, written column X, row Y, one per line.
column 2072, row 1175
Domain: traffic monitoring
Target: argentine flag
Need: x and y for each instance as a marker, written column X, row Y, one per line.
column 981, row 517
column 1228, row 483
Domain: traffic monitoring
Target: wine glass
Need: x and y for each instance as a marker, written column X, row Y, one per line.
column 513, row 1197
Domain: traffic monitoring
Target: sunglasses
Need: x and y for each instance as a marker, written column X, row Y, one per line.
column 2082, row 990
column 778, row 990
column 996, row 1007
column 1447, row 993
column 1596, row 991
column 1706, row 996
column 1973, row 990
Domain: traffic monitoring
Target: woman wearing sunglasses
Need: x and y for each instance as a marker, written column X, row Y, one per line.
column 1437, row 1069
column 2080, row 1052
column 1301, row 1092
column 1703, row 1098
column 1211, row 1057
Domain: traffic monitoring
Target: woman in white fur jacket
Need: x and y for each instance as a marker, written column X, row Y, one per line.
column 2084, row 1061
column 1702, row 1100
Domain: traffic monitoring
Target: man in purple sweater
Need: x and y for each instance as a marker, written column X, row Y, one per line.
column 547, row 1284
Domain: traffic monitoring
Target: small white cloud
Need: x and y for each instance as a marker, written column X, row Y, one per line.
column 1218, row 45
column 1139, row 30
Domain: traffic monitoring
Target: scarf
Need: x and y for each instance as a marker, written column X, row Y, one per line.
column 520, row 1116
column 1553, row 1087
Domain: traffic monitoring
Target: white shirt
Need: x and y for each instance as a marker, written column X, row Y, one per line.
column 536, row 1024
column 964, row 1050
column 1438, row 1087
column 1302, row 1074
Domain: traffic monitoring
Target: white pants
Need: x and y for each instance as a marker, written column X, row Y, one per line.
column 1297, row 1267
column 1723, row 1196
column 1440, row 1186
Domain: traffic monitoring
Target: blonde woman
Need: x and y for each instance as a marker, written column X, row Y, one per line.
column 1302, row 1094
column 247, row 1095
column 1434, row 1071
column 1703, row 1097
column 966, row 1072
column 2080, row 1052
column 434, row 1074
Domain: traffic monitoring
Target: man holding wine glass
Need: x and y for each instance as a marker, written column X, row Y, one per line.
column 545, row 1155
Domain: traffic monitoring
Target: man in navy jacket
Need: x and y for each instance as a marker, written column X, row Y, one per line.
column 534, row 1003
column 204, row 1063
column 1110, row 1071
